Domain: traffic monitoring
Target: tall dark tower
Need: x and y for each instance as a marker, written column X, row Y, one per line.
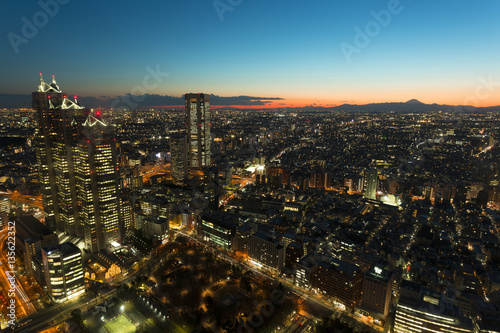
column 198, row 130
column 76, row 155
column 371, row 184
column 179, row 153
column 212, row 186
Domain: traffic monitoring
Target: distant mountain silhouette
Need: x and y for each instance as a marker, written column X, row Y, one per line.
column 413, row 105
column 151, row 100
column 414, row 101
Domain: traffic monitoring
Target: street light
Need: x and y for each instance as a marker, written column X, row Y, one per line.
column 122, row 308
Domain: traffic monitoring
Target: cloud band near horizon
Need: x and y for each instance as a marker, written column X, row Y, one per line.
column 12, row 101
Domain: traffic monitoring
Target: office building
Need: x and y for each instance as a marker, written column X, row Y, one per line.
column 371, row 184
column 424, row 311
column 340, row 280
column 303, row 272
column 266, row 252
column 98, row 180
column 126, row 215
column 243, row 234
column 78, row 170
column 198, row 130
column 33, row 235
column 212, row 186
column 57, row 133
column 179, row 153
column 293, row 252
column 377, row 292
column 155, row 228
column 219, row 229
column 63, row 271
column 4, row 211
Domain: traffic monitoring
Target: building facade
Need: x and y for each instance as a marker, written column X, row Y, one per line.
column 339, row 280
column 377, row 291
column 57, row 133
column 371, row 184
column 179, row 153
column 63, row 271
column 266, row 251
column 98, row 179
column 423, row 311
column 4, row 211
column 219, row 229
column 198, row 130
column 78, row 170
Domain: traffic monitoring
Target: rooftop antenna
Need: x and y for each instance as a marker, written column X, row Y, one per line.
column 40, row 86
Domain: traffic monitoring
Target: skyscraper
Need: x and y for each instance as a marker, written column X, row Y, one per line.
column 377, row 291
column 198, row 130
column 212, row 186
column 97, row 178
column 371, row 184
column 57, row 133
column 76, row 155
column 179, row 153
column 4, row 211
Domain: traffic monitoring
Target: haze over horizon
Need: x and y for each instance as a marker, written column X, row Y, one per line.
column 235, row 102
column 301, row 54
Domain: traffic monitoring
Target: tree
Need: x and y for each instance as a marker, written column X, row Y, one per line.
column 210, row 302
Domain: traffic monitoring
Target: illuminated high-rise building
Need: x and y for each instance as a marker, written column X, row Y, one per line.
column 377, row 292
column 58, row 119
column 76, row 155
column 179, row 153
column 371, row 184
column 4, row 211
column 98, row 179
column 198, row 130
column 212, row 186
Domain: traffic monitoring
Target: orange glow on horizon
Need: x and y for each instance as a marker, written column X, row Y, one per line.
column 455, row 99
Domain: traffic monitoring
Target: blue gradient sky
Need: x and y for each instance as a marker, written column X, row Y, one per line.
column 434, row 51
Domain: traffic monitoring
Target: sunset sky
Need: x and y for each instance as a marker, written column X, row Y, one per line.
column 444, row 52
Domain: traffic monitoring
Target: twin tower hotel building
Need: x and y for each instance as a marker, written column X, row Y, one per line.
column 78, row 169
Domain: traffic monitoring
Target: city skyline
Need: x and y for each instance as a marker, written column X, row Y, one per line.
column 304, row 55
column 250, row 166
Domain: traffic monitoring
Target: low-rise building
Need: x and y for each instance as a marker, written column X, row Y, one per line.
column 339, row 280
column 219, row 228
column 423, row 311
column 266, row 251
column 63, row 271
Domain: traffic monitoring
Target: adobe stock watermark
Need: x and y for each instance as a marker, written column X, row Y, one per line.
column 484, row 90
column 30, row 28
column 223, row 6
column 264, row 309
column 138, row 93
column 372, row 29
column 10, row 272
